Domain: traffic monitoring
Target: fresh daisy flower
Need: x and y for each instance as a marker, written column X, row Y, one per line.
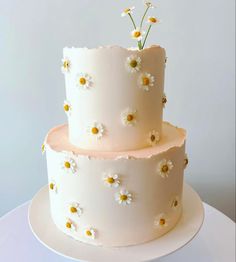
column 152, row 20
column 129, row 117
column 128, row 11
column 148, row 4
column 146, row 81
column 164, row 168
column 164, row 100
column 123, row 197
column 84, row 80
column 111, row 180
column 89, row 232
column 153, row 138
column 161, row 221
column 70, row 225
column 75, row 209
column 137, row 34
column 96, row 130
column 133, row 63
column 53, row 186
column 67, row 107
column 66, row 65
column 69, row 165
column 186, row 161
column 175, row 203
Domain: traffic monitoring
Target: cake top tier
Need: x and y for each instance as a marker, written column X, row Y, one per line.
column 114, row 96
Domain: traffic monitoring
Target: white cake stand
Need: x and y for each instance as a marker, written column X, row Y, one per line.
column 47, row 233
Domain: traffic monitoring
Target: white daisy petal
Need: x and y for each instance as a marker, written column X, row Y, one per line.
column 111, row 180
column 129, row 117
column 146, row 81
column 96, row 130
column 84, row 80
column 67, row 107
column 66, row 65
column 164, row 168
column 127, row 11
column 123, row 197
column 69, row 165
column 137, row 34
column 89, row 232
column 153, row 138
column 133, row 63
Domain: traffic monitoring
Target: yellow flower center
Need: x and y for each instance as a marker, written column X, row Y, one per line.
column 165, row 168
column 162, row 222
column 137, row 34
column 89, row 233
column 186, row 161
column 110, row 180
column 146, row 81
column 66, row 108
column 152, row 19
column 123, row 197
column 66, row 64
column 51, row 186
column 94, row 130
column 153, row 138
column 82, row 81
column 130, row 118
column 73, row 210
column 133, row 63
column 43, row 147
column 175, row 203
column 68, row 224
column 164, row 100
column 127, row 10
column 67, row 164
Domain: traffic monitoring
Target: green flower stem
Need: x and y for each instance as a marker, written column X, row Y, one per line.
column 144, row 42
column 145, row 13
column 135, row 27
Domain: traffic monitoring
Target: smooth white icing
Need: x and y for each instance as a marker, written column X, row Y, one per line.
column 115, row 224
column 113, row 90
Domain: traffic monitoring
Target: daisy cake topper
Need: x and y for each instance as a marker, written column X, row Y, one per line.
column 138, row 32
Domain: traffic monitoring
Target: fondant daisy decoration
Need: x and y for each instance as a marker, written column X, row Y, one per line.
column 69, row 165
column 128, row 11
column 164, row 100
column 111, row 180
column 84, row 80
column 186, row 161
column 175, row 203
column 96, row 130
column 153, row 20
column 66, row 65
column 123, row 197
column 164, row 168
column 137, row 34
column 129, row 117
column 75, row 209
column 146, row 81
column 161, row 221
column 133, row 63
column 70, row 225
column 153, row 138
column 67, row 107
column 90, row 232
column 53, row 186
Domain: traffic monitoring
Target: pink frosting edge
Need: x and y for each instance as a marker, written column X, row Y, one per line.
column 57, row 140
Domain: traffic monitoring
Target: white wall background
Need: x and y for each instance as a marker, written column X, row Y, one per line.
column 199, row 38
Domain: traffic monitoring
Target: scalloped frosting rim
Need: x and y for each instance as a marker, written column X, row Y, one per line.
column 110, row 155
column 110, row 47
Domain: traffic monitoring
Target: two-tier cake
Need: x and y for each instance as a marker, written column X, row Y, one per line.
column 116, row 169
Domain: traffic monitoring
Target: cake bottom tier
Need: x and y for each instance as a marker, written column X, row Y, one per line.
column 116, row 198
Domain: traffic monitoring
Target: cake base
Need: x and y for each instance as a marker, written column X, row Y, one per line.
column 47, row 233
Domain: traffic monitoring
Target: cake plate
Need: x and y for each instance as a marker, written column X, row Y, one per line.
column 47, row 233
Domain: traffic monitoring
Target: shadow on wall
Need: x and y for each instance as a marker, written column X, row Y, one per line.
column 222, row 198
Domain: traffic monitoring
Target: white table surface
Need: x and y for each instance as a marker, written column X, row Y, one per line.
column 215, row 241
